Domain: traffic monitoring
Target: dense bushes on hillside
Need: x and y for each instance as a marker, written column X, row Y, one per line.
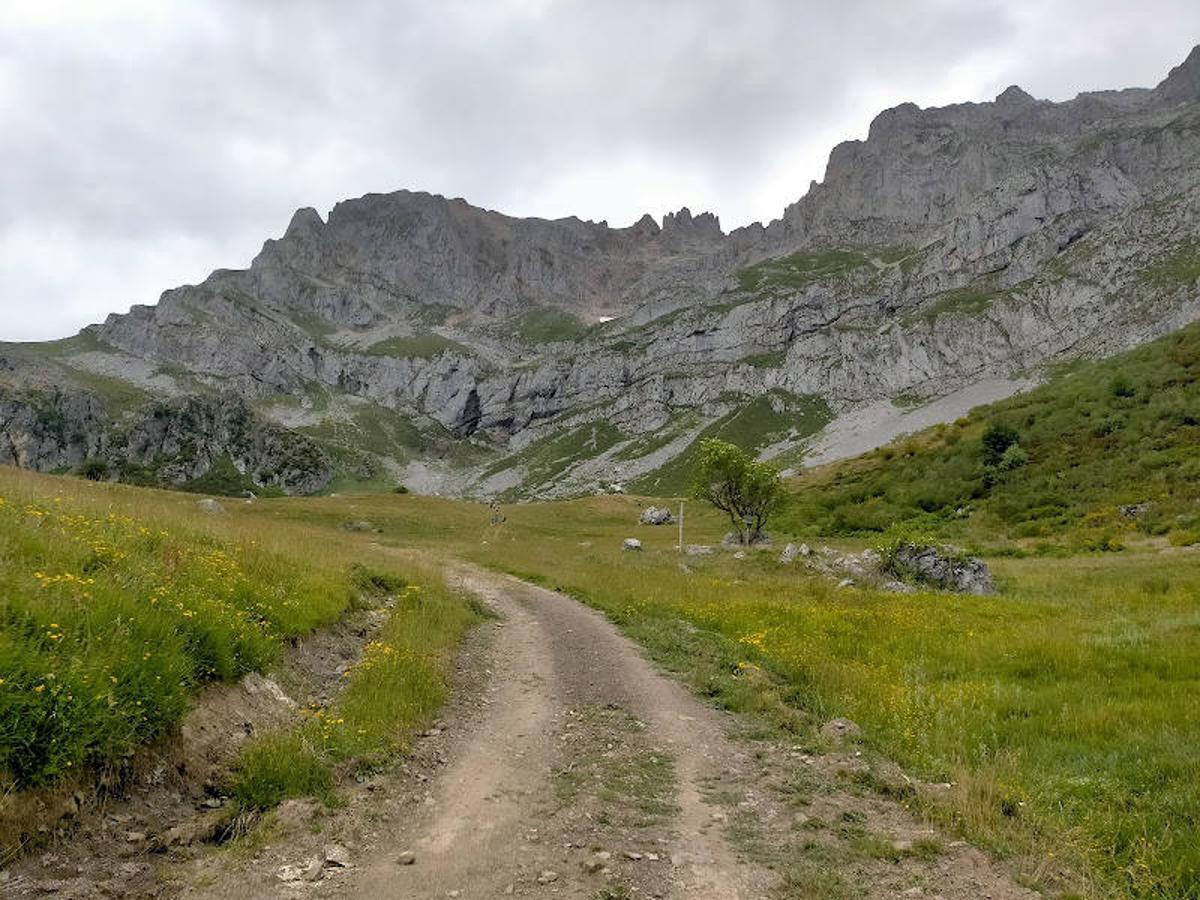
column 1063, row 457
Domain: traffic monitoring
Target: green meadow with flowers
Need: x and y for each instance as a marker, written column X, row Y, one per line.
column 1063, row 712
column 117, row 607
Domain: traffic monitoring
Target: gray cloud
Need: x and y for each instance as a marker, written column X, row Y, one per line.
column 144, row 143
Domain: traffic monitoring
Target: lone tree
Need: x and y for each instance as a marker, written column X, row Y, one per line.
column 733, row 481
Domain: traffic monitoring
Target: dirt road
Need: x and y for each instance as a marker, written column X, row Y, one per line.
column 569, row 766
column 584, row 768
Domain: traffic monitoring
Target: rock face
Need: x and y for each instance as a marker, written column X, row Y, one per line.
column 460, row 350
column 169, row 442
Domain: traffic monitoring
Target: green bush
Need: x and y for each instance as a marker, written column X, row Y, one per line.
column 1121, row 387
column 1014, row 457
column 94, row 470
column 1185, row 537
column 996, row 440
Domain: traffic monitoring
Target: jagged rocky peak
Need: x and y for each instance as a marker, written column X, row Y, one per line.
column 682, row 224
column 645, row 227
column 890, row 122
column 306, row 221
column 919, row 168
column 1014, row 97
column 1183, row 82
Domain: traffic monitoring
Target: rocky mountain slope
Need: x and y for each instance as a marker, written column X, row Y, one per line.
column 945, row 260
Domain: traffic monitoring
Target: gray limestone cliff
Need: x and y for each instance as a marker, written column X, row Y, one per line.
column 410, row 337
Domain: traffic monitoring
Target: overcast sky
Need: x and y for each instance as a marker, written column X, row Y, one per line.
column 145, row 142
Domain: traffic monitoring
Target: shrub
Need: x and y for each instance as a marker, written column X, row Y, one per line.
column 996, row 440
column 1184, row 537
column 1014, row 457
column 94, row 470
column 1121, row 386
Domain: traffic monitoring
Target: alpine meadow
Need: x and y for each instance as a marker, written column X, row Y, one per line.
column 446, row 553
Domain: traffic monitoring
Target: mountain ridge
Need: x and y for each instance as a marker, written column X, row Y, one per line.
column 421, row 339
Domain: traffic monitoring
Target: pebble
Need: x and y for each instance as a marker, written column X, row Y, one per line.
column 407, row 858
column 337, row 856
column 547, row 877
column 316, row 868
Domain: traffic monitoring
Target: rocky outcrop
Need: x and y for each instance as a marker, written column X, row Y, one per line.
column 941, row 568
column 170, row 443
column 979, row 241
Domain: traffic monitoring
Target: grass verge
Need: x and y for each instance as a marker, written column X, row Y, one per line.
column 396, row 686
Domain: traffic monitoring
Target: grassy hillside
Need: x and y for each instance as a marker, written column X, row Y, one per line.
column 764, row 420
column 117, row 605
column 1123, row 432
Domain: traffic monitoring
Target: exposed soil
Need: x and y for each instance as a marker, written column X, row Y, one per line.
column 162, row 808
column 567, row 765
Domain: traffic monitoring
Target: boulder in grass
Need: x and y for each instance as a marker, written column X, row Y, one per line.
column 655, row 515
column 840, row 729
column 631, row 544
column 941, row 568
column 210, row 507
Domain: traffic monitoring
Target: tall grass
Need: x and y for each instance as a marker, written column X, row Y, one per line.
column 118, row 604
column 107, row 626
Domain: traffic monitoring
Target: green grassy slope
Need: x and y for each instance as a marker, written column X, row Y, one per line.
column 760, row 422
column 118, row 605
column 1121, row 432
